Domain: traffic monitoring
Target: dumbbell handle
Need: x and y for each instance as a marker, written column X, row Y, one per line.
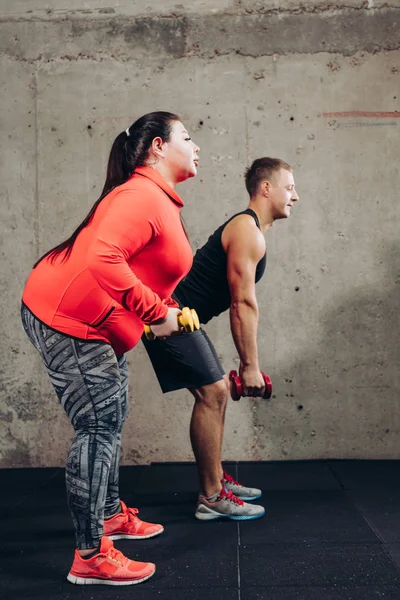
column 188, row 320
column 237, row 386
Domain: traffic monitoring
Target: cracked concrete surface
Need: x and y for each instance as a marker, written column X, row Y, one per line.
column 100, row 8
column 316, row 83
column 155, row 38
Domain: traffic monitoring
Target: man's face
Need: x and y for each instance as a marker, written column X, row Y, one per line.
column 282, row 193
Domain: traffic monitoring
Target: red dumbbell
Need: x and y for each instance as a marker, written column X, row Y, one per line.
column 237, row 386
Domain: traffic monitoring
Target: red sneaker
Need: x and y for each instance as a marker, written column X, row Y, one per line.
column 126, row 525
column 108, row 567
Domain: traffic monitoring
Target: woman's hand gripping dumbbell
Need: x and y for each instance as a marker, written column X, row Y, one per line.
column 175, row 321
column 238, row 389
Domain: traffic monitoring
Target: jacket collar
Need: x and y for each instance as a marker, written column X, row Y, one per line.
column 160, row 181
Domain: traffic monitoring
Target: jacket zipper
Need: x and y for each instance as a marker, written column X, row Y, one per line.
column 104, row 318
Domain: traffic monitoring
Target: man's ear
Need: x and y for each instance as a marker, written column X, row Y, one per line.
column 157, row 147
column 265, row 188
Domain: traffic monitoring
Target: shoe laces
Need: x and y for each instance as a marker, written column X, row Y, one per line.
column 116, row 556
column 225, row 495
column 132, row 512
column 229, row 479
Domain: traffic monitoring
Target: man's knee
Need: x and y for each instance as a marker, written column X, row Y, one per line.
column 214, row 395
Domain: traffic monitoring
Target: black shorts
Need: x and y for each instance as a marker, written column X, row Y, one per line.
column 187, row 360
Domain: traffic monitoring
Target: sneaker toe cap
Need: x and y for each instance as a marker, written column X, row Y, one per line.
column 255, row 492
column 141, row 569
column 151, row 529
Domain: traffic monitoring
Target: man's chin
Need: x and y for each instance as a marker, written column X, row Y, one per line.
column 282, row 215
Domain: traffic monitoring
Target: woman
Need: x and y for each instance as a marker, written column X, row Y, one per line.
column 84, row 306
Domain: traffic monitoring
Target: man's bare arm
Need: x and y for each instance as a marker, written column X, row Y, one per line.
column 245, row 246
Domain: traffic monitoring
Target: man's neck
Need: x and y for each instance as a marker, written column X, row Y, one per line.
column 260, row 207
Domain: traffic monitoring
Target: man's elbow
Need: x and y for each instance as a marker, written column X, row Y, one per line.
column 239, row 303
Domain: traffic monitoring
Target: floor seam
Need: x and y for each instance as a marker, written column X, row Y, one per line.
column 364, row 517
column 332, row 471
column 393, row 560
column 238, row 541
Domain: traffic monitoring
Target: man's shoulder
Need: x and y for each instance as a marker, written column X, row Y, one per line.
column 243, row 231
column 237, row 220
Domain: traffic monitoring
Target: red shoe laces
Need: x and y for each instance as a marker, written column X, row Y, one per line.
column 133, row 512
column 231, row 497
column 230, row 479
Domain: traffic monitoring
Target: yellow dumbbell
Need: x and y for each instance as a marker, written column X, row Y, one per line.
column 188, row 320
column 195, row 317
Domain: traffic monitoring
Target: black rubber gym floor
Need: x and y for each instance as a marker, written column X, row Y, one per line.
column 331, row 532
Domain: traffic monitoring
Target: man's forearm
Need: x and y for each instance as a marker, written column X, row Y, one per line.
column 244, row 323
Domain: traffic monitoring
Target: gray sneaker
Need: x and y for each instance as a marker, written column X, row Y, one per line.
column 227, row 506
column 239, row 490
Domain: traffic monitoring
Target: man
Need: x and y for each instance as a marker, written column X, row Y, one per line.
column 224, row 273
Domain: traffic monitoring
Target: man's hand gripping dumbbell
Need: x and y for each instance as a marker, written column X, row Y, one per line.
column 175, row 321
column 240, row 389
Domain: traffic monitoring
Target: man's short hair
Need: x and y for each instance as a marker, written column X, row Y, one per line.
column 262, row 169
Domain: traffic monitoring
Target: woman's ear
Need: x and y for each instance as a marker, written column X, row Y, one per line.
column 157, row 147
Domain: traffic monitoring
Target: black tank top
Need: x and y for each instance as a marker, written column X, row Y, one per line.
column 206, row 287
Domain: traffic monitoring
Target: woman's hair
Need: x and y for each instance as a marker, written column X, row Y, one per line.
column 262, row 169
column 129, row 151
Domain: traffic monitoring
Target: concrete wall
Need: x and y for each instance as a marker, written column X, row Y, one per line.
column 315, row 83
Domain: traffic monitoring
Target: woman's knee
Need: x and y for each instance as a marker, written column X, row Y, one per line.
column 123, row 370
column 107, row 419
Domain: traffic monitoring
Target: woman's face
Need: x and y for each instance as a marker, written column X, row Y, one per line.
column 180, row 153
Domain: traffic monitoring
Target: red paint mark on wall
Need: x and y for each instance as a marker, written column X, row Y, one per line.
column 361, row 113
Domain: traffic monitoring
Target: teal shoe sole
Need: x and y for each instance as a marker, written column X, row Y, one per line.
column 214, row 517
column 252, row 518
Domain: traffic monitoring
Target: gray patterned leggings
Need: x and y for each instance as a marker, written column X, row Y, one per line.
column 92, row 386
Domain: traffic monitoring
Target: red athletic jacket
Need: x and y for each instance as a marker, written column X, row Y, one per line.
column 122, row 269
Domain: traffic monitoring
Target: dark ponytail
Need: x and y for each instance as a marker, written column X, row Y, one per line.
column 129, row 151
